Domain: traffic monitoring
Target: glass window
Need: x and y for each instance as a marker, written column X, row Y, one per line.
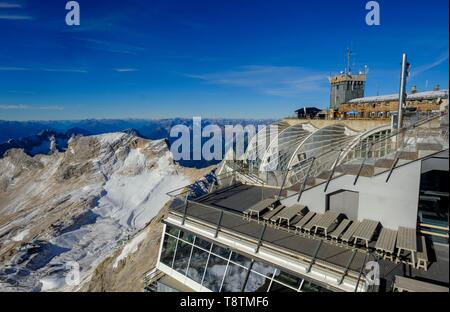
column 182, row 257
column 168, row 250
column 288, row 279
column 311, row 287
column 187, row 236
column 202, row 243
column 263, row 268
column 220, row 251
column 240, row 259
column 277, row 287
column 214, row 273
column 234, row 278
column 197, row 264
column 172, row 230
column 257, row 283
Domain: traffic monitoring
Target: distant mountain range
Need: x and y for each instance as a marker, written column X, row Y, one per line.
column 34, row 137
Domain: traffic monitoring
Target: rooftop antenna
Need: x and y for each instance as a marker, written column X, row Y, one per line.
column 349, row 59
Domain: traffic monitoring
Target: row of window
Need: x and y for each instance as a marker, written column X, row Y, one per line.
column 220, row 269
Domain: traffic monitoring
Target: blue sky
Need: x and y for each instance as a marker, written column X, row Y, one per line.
column 209, row 58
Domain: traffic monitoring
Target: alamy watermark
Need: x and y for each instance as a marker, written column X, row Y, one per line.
column 373, row 276
column 373, row 16
column 73, row 16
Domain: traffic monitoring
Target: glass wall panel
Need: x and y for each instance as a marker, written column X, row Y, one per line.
column 187, row 236
column 168, row 250
column 257, row 283
column 182, row 257
column 172, row 230
column 234, row 278
column 214, row 273
column 220, row 251
column 288, row 279
column 240, row 259
column 202, row 243
column 277, row 287
column 263, row 268
column 311, row 287
column 197, row 264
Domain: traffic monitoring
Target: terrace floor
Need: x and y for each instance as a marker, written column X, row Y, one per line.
column 237, row 198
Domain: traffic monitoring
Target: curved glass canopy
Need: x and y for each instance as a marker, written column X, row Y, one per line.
column 279, row 153
column 261, row 141
column 325, row 146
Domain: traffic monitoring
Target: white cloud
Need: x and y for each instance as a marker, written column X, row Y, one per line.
column 61, row 70
column 51, row 107
column 9, row 5
column 125, row 70
column 28, row 107
column 272, row 80
column 13, row 68
column 423, row 68
column 15, row 17
column 13, row 106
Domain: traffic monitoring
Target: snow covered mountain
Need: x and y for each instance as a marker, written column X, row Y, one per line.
column 79, row 206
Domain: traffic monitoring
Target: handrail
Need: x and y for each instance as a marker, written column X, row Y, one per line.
column 370, row 144
column 306, row 163
column 396, row 132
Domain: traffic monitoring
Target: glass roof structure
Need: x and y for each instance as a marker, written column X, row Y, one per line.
column 261, row 141
column 279, row 153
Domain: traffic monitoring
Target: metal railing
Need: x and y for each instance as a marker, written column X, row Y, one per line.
column 365, row 153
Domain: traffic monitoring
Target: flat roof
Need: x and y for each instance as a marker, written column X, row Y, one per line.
column 237, row 198
column 426, row 95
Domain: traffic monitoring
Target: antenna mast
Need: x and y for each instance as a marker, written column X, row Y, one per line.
column 349, row 57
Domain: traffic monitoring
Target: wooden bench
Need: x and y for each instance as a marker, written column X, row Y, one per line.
column 365, row 231
column 328, row 219
column 402, row 284
column 259, row 208
column 267, row 217
column 313, row 223
column 287, row 214
column 407, row 241
column 340, row 229
column 386, row 243
column 422, row 254
column 300, row 224
column 347, row 237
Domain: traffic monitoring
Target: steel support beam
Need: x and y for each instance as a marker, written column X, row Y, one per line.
column 260, row 238
column 332, row 171
column 218, row 224
column 304, row 181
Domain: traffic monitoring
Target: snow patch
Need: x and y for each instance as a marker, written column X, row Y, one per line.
column 21, row 235
column 130, row 248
